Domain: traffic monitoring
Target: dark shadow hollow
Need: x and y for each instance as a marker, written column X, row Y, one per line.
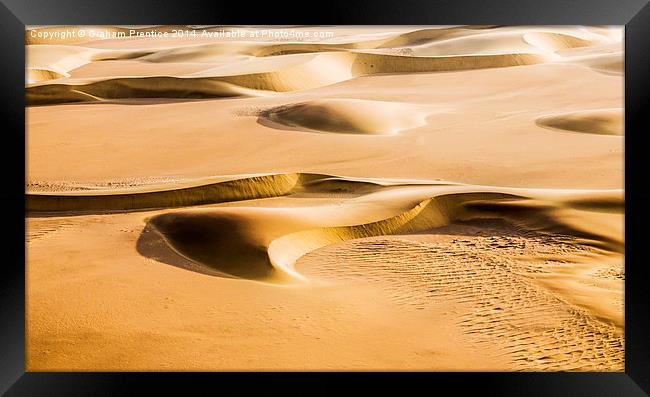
column 152, row 245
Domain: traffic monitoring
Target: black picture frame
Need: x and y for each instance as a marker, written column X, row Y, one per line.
column 634, row 14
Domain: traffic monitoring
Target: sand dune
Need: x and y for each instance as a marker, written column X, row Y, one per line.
column 508, row 39
column 132, row 195
column 69, row 34
column 214, row 238
column 280, row 73
column 270, row 66
column 348, row 116
column 226, row 241
column 606, row 58
column 147, row 87
column 555, row 41
column 289, row 234
column 421, row 36
column 506, row 42
column 66, row 58
column 386, row 198
column 608, row 63
column 600, row 121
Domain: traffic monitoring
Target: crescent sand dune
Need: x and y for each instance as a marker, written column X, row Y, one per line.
column 600, row 121
column 347, row 116
column 384, row 198
column 250, row 232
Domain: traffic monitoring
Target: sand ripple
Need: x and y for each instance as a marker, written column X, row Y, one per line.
column 489, row 278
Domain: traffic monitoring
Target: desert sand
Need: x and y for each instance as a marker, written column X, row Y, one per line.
column 444, row 198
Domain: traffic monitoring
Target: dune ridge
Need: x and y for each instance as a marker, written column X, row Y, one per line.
column 347, row 116
column 238, row 189
column 274, row 239
column 495, row 279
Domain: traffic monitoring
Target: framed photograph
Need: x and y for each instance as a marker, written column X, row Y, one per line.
column 239, row 194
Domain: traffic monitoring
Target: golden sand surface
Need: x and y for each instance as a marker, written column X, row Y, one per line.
column 388, row 198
